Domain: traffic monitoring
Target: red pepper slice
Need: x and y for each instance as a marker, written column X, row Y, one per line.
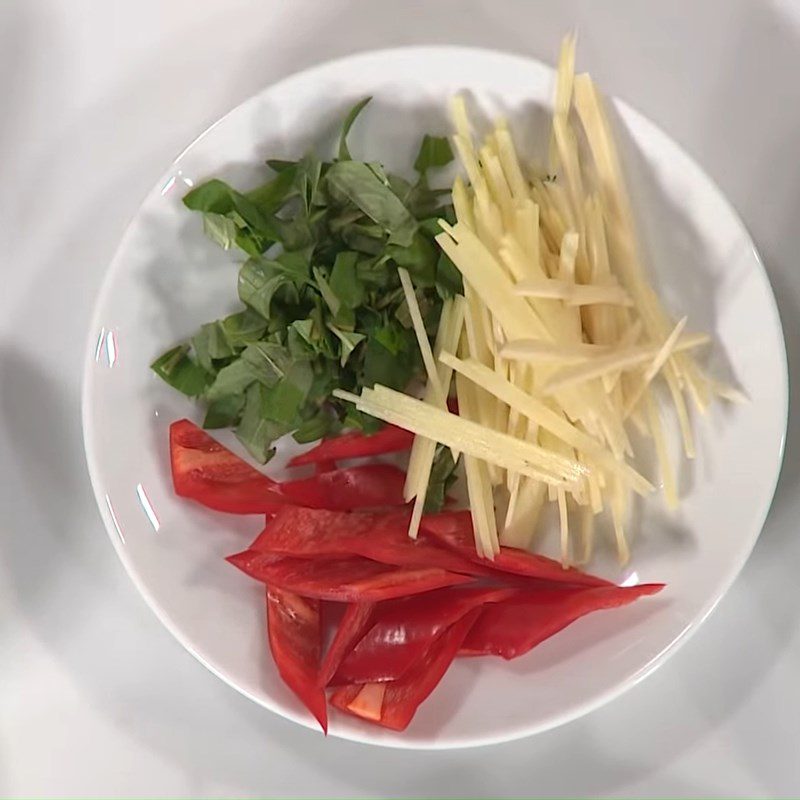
column 383, row 537
column 514, row 626
column 295, row 639
column 454, row 530
column 368, row 486
column 389, row 439
column 404, row 630
column 205, row 471
column 347, row 580
column 355, row 621
column 393, row 704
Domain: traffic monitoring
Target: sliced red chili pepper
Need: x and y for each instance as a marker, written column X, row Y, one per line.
column 205, row 471
column 454, row 530
column 404, row 630
column 395, row 705
column 383, row 537
column 368, row 486
column 347, row 580
column 389, row 439
column 295, row 639
column 514, row 626
column 356, row 619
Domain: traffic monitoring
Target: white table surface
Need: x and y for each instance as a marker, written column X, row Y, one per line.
column 96, row 698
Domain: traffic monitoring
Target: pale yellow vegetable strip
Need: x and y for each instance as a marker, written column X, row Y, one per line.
column 655, row 367
column 628, row 339
column 619, row 360
column 527, row 234
column 422, row 337
column 567, row 255
column 587, row 533
column 617, row 514
column 567, row 469
column 519, row 530
column 543, row 416
column 489, row 279
column 682, row 413
column 563, row 519
column 476, row 321
column 598, row 132
column 566, row 74
column 423, row 450
column 564, row 79
column 536, row 350
column 462, row 203
column 568, row 153
column 496, row 180
column 458, row 110
column 478, row 484
column 572, row 293
column 465, row 435
column 727, row 392
column 510, row 162
column 667, row 475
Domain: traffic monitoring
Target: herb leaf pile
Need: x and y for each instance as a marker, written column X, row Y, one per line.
column 323, row 307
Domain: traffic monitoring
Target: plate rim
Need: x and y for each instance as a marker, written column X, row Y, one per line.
column 398, row 742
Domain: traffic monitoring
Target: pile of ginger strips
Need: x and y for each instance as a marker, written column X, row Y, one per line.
column 559, row 346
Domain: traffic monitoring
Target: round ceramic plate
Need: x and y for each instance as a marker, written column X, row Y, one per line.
column 167, row 278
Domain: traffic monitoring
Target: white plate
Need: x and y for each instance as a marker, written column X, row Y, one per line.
column 167, row 278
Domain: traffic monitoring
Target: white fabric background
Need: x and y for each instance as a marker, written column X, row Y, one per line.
column 95, row 696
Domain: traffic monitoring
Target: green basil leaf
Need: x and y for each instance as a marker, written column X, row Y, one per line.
column 225, row 412
column 435, row 151
column 448, row 278
column 231, row 380
column 255, row 431
column 283, row 401
column 419, row 259
column 220, row 229
column 181, row 372
column 328, row 295
column 259, row 279
column 442, row 477
column 243, row 328
column 349, row 341
column 270, row 196
column 210, row 343
column 362, row 422
column 280, row 164
column 270, row 362
column 357, row 184
column 322, row 424
column 350, row 118
column 343, row 281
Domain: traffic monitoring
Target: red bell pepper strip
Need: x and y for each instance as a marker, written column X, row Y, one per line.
column 205, row 471
column 324, row 466
column 389, row 439
column 356, row 619
column 454, row 530
column 347, row 580
column 295, row 639
column 516, row 625
column 383, row 537
column 404, row 630
column 369, row 486
column 395, row 705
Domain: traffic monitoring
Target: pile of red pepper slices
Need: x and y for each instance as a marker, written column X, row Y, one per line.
column 406, row 608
